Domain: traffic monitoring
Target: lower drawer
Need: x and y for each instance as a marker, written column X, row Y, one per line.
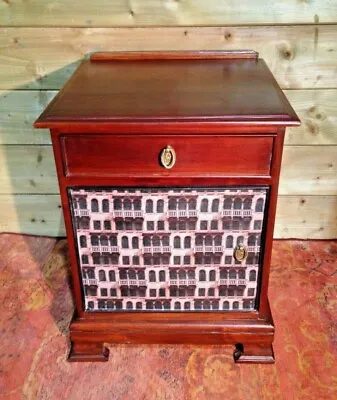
column 169, row 249
column 113, row 155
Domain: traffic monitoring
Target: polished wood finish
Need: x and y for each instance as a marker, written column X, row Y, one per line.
column 223, row 90
column 174, row 55
column 226, row 119
column 112, row 155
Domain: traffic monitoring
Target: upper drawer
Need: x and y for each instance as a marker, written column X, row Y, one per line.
column 113, row 155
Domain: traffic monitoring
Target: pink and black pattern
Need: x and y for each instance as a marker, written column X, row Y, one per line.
column 168, row 249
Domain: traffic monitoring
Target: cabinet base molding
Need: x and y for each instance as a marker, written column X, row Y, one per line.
column 251, row 337
column 252, row 353
column 88, row 351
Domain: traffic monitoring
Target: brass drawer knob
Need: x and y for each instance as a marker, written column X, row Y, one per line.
column 168, row 157
column 240, row 253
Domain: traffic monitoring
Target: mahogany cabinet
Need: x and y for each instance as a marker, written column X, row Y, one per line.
column 168, row 165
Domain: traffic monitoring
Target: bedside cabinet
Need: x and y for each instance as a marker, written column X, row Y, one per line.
column 168, row 165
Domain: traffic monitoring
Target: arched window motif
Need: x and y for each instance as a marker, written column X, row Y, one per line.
column 212, row 276
column 94, row 240
column 132, row 274
column 252, row 276
column 96, row 259
column 225, row 305
column 83, row 241
column 112, row 276
column 259, row 205
column 217, row 240
column 127, row 205
column 158, row 305
column 173, row 274
column 199, row 241
column 229, row 242
column 251, row 240
column 137, row 205
column 198, row 304
column 247, row 204
column 191, row 274
column 204, row 205
column 177, row 242
column 237, row 204
column 236, row 225
column 208, row 240
column 235, row 305
column 242, row 274
column 94, row 205
column 152, row 276
column 156, row 241
column 104, row 240
column 149, row 206
column 202, row 276
column 162, row 276
column 215, row 205
column 187, row 306
column 135, row 242
column 172, row 205
column 82, row 202
column 105, row 205
column 101, row 275
column 246, row 305
column 160, row 206
column 110, row 304
column 177, row 305
column 239, row 241
column 122, row 274
column 141, row 275
column 91, row 274
column 227, row 203
column 125, row 242
column 117, row 204
column 246, row 224
column 192, row 204
column 139, row 305
column 187, row 242
column 182, row 274
column 206, row 305
column 166, row 241
column 113, row 240
column 146, row 241
column 232, row 274
column 84, row 259
column 182, row 204
column 101, row 304
column 223, row 274
column 129, row 305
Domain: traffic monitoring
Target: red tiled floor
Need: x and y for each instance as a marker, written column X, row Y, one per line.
column 37, row 308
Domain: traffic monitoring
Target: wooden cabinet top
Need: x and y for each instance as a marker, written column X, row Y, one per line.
column 229, row 87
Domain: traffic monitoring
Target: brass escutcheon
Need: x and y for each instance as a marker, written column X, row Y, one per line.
column 240, row 253
column 168, row 157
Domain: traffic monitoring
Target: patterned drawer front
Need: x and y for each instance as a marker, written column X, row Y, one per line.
column 159, row 249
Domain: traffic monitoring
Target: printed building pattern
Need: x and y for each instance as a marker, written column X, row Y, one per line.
column 168, row 249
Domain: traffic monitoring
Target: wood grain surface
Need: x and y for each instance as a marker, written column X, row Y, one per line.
column 168, row 12
column 299, row 56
